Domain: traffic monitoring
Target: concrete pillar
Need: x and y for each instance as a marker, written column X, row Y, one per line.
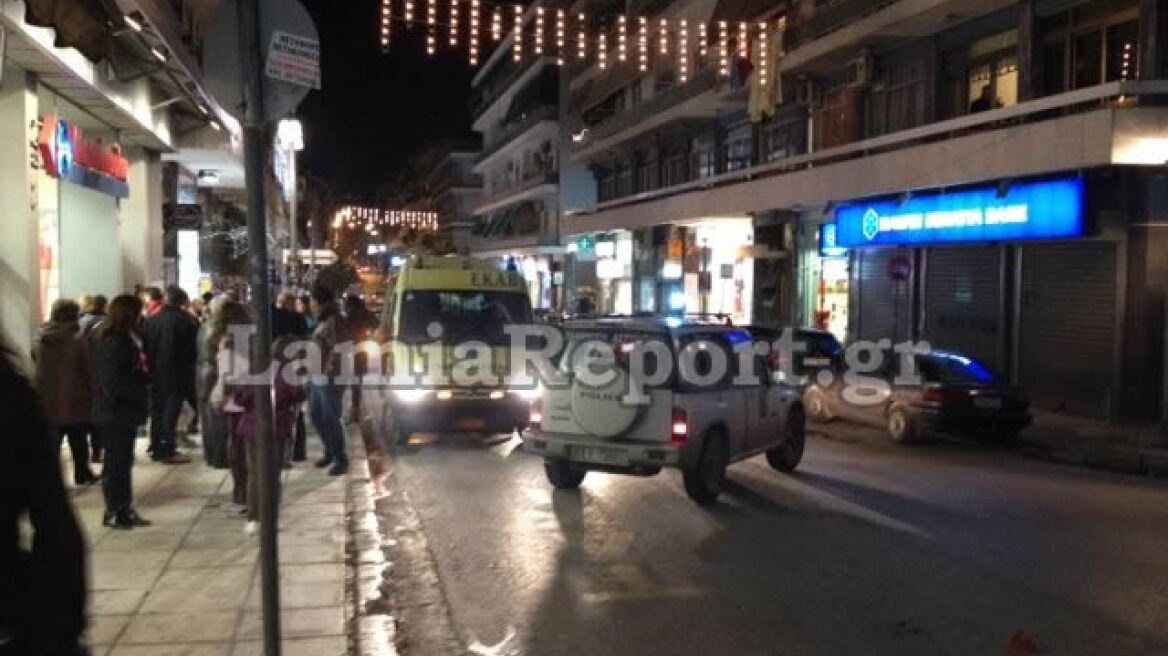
column 140, row 221
column 20, row 309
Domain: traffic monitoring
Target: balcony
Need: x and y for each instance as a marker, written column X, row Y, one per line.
column 688, row 100
column 492, row 90
column 539, row 182
column 1087, row 128
column 517, row 128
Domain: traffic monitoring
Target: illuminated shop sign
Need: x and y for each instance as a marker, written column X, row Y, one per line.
column 1051, row 209
column 829, row 242
column 69, row 155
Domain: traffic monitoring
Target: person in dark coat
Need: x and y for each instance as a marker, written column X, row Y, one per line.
column 289, row 320
column 63, row 381
column 214, row 422
column 120, row 406
column 359, row 325
column 171, row 352
column 42, row 576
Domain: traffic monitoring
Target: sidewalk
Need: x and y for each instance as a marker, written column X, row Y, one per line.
column 189, row 584
column 1138, row 449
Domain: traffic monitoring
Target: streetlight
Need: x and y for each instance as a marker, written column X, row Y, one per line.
column 289, row 141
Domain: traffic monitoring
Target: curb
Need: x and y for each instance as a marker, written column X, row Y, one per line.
column 1123, row 460
column 372, row 628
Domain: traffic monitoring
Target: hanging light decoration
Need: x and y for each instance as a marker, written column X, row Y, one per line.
column 386, row 23
column 517, row 33
column 643, row 44
column 408, row 11
column 743, row 39
column 560, row 37
column 622, row 33
column 473, row 46
column 723, row 49
column 497, row 24
column 454, row 23
column 602, row 51
column 682, row 51
column 763, row 54
column 703, row 41
column 431, row 26
column 664, row 36
column 582, row 37
column 539, row 30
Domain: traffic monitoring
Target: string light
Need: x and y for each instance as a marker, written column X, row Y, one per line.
column 602, row 51
column 386, row 23
column 473, row 47
column 703, row 41
column 582, row 37
column 497, row 24
column 431, row 26
column 539, row 30
column 409, row 12
column 643, row 44
column 763, row 55
column 743, row 39
column 622, row 52
column 682, row 51
column 454, row 23
column 664, row 36
column 723, row 49
column 560, row 37
column 517, row 32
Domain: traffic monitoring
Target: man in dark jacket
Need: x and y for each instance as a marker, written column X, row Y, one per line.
column 42, row 579
column 172, row 352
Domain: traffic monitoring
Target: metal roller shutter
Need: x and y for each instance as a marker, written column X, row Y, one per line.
column 1067, row 326
column 884, row 304
column 962, row 304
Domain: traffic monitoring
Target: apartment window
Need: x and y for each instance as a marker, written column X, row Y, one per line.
column 897, row 101
column 676, row 170
column 606, row 187
column 738, row 146
column 647, row 175
column 624, row 181
column 1092, row 43
column 1122, row 43
column 992, row 72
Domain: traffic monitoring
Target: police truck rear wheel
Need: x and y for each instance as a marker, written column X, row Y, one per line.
column 562, row 475
column 703, row 484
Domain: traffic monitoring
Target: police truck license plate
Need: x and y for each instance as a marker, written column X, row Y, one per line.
column 600, row 455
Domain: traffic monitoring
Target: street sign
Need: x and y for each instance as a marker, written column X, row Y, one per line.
column 291, row 57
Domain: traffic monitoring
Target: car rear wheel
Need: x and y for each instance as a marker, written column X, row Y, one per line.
column 816, row 404
column 901, row 427
column 703, row 483
column 787, row 456
column 562, row 475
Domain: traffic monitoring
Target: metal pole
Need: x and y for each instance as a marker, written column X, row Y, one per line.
column 294, row 229
column 257, row 260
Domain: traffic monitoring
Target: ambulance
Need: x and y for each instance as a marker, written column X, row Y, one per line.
column 436, row 310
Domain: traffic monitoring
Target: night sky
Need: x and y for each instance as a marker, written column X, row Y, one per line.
column 374, row 111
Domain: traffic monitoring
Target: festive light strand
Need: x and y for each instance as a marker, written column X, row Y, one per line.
column 703, row 42
column 454, row 15
column 582, row 37
column 431, row 26
column 664, row 38
column 602, row 51
column 560, row 37
column 763, row 54
column 473, row 46
column 682, row 51
column 539, row 30
column 743, row 39
column 723, row 49
column 386, row 23
column 409, row 12
column 497, row 24
column 517, row 32
column 622, row 32
column 643, row 44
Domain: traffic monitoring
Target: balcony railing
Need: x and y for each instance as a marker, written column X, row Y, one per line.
column 831, row 17
column 516, row 128
column 484, row 96
column 703, row 80
column 526, row 183
column 1026, row 112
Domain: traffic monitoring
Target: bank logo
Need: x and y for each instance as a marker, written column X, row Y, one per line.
column 871, row 224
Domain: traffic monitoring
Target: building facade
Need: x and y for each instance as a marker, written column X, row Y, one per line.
column 986, row 176
column 89, row 102
column 452, row 189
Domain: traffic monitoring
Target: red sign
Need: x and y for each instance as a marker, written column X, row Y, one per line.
column 69, row 155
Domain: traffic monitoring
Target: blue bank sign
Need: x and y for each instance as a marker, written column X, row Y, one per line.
column 1052, row 209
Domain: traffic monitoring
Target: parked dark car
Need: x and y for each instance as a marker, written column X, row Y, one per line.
column 951, row 393
column 818, row 350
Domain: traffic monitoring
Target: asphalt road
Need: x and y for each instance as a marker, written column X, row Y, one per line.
column 870, row 548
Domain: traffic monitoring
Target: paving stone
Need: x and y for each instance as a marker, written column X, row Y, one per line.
column 115, row 602
column 180, row 627
column 331, row 646
column 182, row 590
column 104, row 629
column 199, row 649
column 296, row 623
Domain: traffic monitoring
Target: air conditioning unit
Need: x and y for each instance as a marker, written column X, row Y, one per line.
column 862, row 70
